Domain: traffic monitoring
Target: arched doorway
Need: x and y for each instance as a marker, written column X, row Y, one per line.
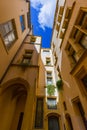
column 12, row 100
column 53, row 123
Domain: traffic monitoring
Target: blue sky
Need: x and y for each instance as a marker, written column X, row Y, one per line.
column 42, row 16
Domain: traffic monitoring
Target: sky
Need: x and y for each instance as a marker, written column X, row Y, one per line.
column 42, row 17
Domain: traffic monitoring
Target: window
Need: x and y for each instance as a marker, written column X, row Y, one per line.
column 79, row 111
column 8, row 32
column 49, row 73
column 51, row 103
column 72, row 53
column 27, row 57
column 82, row 19
column 84, row 81
column 64, row 104
column 33, row 39
column 22, row 23
column 81, row 78
column 48, row 61
column 46, row 51
column 83, row 41
column 49, row 80
column 39, row 113
column 28, row 20
column 69, row 121
column 20, row 121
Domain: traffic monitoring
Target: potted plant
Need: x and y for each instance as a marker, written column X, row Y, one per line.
column 50, row 89
column 59, row 84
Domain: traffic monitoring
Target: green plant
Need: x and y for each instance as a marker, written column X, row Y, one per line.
column 59, row 84
column 50, row 89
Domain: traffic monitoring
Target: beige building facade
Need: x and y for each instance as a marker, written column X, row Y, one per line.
column 26, row 70
column 69, row 47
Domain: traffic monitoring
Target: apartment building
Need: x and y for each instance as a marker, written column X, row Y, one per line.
column 51, row 106
column 21, row 83
column 69, row 48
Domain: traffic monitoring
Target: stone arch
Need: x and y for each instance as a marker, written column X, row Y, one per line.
column 52, row 114
column 13, row 98
column 17, row 80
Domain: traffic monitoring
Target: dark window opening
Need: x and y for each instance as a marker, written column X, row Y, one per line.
column 69, row 121
column 39, row 114
column 82, row 113
column 64, row 104
column 84, row 81
column 20, row 121
column 53, row 123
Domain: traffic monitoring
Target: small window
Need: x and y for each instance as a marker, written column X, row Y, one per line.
column 48, row 61
column 83, row 41
column 49, row 73
column 64, row 104
column 8, row 32
column 27, row 57
column 51, row 103
column 49, row 80
column 22, row 23
column 46, row 51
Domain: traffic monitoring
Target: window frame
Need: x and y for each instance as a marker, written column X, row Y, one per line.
column 22, row 22
column 11, row 30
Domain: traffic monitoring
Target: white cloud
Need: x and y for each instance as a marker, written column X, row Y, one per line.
column 46, row 9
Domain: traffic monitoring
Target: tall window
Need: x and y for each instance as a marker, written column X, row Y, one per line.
column 64, row 105
column 80, row 111
column 20, row 121
column 39, row 113
column 22, row 23
column 8, row 32
column 84, row 81
column 27, row 57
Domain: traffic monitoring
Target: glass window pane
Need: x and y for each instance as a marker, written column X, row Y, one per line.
column 10, row 25
column 52, row 104
column 10, row 38
column 6, row 40
column 13, row 36
column 6, row 27
column 22, row 23
column 2, row 30
column 84, row 41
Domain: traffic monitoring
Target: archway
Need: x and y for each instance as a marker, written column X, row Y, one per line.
column 12, row 100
